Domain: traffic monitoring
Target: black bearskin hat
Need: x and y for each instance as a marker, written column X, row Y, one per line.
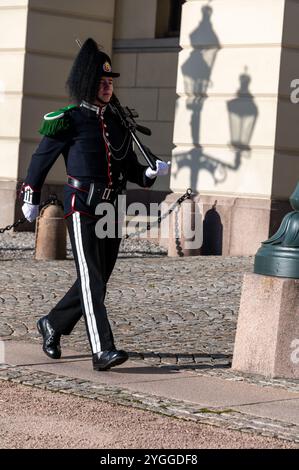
column 89, row 66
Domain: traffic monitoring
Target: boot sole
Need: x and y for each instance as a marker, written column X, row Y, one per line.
column 39, row 328
column 112, row 363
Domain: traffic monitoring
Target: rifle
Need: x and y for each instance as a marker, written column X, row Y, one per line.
column 127, row 117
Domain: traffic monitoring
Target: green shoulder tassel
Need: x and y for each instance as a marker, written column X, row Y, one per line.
column 56, row 121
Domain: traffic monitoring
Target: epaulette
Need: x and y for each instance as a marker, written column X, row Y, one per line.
column 56, row 121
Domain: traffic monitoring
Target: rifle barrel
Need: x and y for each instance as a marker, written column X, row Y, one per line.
column 149, row 158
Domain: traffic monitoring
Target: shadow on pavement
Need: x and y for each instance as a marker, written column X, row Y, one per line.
column 160, row 366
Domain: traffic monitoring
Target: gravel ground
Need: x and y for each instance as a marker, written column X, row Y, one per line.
column 20, row 245
column 32, row 418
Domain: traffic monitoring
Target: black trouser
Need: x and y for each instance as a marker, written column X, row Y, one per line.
column 95, row 259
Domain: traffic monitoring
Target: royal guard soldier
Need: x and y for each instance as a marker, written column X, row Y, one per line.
column 99, row 159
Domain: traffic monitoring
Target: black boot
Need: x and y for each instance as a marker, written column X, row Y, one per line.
column 106, row 359
column 51, row 344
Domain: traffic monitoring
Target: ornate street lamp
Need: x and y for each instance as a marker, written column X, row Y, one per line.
column 279, row 256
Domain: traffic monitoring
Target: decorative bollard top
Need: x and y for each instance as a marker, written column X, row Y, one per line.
column 279, row 256
column 50, row 231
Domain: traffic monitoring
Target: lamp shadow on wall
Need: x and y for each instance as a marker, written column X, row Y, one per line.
column 242, row 110
column 242, row 116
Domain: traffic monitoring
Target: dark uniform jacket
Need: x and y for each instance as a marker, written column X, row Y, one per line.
column 95, row 147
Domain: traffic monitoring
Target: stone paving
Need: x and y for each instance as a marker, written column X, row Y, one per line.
column 180, row 312
column 167, row 310
column 177, row 313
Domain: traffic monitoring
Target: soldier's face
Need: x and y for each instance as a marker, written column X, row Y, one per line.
column 105, row 89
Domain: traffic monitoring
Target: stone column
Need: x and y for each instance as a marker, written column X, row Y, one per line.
column 236, row 132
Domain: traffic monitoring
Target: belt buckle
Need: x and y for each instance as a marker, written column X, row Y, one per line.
column 106, row 194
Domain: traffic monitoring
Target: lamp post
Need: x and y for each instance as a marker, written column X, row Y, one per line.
column 279, row 256
column 268, row 329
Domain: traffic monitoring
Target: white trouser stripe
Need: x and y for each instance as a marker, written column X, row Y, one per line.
column 85, row 283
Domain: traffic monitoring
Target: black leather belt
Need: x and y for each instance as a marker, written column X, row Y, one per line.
column 84, row 186
column 77, row 184
column 97, row 190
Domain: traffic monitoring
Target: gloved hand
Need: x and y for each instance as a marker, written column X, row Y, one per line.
column 162, row 169
column 30, row 211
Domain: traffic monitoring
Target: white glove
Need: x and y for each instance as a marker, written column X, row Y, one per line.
column 162, row 169
column 30, row 211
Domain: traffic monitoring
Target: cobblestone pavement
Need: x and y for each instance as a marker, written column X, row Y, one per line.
column 174, row 312
column 167, row 310
column 180, row 312
column 171, row 312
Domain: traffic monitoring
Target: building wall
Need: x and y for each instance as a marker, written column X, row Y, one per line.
column 38, row 47
column 234, row 71
column 222, row 44
column 13, row 29
column 235, row 128
column 286, row 161
column 37, row 50
column 148, row 68
column 135, row 19
column 49, row 58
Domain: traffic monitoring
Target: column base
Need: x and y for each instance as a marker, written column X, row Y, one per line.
column 235, row 226
column 267, row 338
column 7, row 202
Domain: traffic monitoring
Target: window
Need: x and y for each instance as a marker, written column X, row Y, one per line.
column 168, row 18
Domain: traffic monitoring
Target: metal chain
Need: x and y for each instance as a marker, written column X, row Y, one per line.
column 15, row 224
column 178, row 202
column 52, row 199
